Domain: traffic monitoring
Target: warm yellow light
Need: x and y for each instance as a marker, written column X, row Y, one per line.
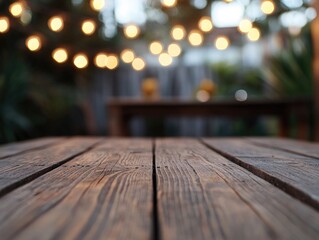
column 169, row 3
column 131, row 31
column 267, row 7
column 127, row 56
column 222, row 43
column 33, row 43
column 178, row 32
column 138, row 64
column 228, row 1
column 4, row 24
column 205, row 24
column 100, row 60
column 245, row 25
column 165, row 59
column 195, row 38
column 56, row 23
column 80, row 60
column 112, row 62
column 60, row 55
column 174, row 50
column 16, row 9
column 253, row 34
column 88, row 27
column 156, row 48
column 97, row 5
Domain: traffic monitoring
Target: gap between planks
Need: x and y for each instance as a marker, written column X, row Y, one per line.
column 290, row 188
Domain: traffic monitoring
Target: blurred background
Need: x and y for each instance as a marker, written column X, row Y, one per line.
column 61, row 61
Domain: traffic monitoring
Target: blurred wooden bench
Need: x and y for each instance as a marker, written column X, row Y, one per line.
column 96, row 188
column 121, row 111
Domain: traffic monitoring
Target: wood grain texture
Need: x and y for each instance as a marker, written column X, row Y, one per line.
column 105, row 193
column 20, row 169
column 295, row 174
column 20, row 147
column 202, row 195
column 308, row 149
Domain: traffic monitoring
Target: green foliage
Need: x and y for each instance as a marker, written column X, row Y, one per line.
column 290, row 71
column 231, row 78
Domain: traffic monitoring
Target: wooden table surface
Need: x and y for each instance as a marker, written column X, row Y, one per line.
column 100, row 188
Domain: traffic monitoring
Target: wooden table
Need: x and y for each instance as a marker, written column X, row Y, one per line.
column 121, row 111
column 97, row 188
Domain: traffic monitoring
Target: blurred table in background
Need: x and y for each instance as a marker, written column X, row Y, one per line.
column 121, row 111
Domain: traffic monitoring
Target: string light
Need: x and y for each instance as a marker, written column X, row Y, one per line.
column 165, row 59
column 222, row 43
column 112, row 62
column 97, row 5
column 205, row 24
column 127, row 56
column 131, row 31
column 254, row 34
column 195, row 38
column 156, row 48
column 88, row 27
column 178, row 32
column 174, row 50
column 267, row 7
column 16, row 9
column 56, row 23
column 138, row 64
column 60, row 55
column 245, row 25
column 4, row 24
column 169, row 3
column 33, row 43
column 80, row 61
column 100, row 60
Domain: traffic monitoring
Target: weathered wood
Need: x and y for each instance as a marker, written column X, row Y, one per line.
column 105, row 193
column 202, row 195
column 315, row 34
column 308, row 149
column 18, row 170
column 21, row 147
column 295, row 174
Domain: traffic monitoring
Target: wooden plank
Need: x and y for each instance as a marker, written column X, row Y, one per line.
column 18, row 170
column 102, row 194
column 202, row 195
column 295, row 174
column 308, row 149
column 20, row 147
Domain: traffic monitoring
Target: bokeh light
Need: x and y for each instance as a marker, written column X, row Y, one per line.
column 88, row 27
column 100, row 60
column 178, row 32
column 205, row 24
column 4, row 24
column 169, row 3
column 156, row 48
column 267, row 6
column 131, row 31
column 60, row 55
column 245, row 25
column 195, row 38
column 165, row 59
column 16, row 9
column 97, row 5
column 33, row 43
column 127, row 56
column 138, row 64
column 112, row 62
column 56, row 23
column 254, row 34
column 80, row 61
column 222, row 43
column 174, row 50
